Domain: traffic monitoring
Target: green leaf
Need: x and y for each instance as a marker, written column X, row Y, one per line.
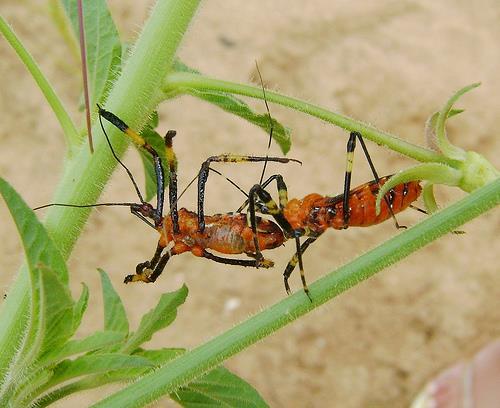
column 51, row 322
column 156, row 357
column 219, row 388
column 56, row 311
column 38, row 246
column 437, row 173
column 429, row 198
column 115, row 318
column 27, row 390
column 154, row 121
column 447, row 148
column 80, row 307
column 50, row 327
column 94, row 364
column 160, row 356
column 93, row 342
column 149, row 176
column 102, row 43
column 236, row 106
column 156, row 319
column 430, row 128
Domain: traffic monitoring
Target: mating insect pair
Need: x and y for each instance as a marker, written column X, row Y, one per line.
column 312, row 215
column 231, row 233
column 179, row 232
column 246, row 233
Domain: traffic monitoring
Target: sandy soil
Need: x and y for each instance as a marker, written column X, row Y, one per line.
column 390, row 63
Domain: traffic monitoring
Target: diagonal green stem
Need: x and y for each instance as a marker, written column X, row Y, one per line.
column 69, row 129
column 186, row 82
column 133, row 97
column 193, row 364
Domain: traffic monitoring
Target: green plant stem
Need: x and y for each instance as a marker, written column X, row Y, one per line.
column 193, row 364
column 69, row 129
column 185, row 82
column 133, row 97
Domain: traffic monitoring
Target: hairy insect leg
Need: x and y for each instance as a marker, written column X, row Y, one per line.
column 157, row 271
column 172, row 183
column 253, row 223
column 351, row 146
column 149, row 271
column 255, row 263
column 270, row 206
column 141, row 142
column 277, row 213
column 297, row 258
column 225, row 158
column 267, row 205
column 282, row 191
column 144, row 270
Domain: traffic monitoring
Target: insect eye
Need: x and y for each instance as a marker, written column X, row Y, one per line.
column 314, row 213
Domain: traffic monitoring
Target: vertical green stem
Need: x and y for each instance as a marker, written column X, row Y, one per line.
column 133, row 98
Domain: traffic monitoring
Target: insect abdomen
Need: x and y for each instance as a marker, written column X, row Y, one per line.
column 317, row 213
column 362, row 202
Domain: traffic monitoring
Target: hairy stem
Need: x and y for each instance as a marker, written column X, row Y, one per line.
column 133, row 97
column 185, row 82
column 193, row 364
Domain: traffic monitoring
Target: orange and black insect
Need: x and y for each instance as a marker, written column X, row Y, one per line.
column 225, row 233
column 313, row 214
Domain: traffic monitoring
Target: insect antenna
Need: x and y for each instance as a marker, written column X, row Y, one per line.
column 137, row 209
column 271, row 130
column 129, row 173
column 271, row 125
column 82, row 205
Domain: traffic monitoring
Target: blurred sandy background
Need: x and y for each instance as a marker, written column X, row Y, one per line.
column 390, row 63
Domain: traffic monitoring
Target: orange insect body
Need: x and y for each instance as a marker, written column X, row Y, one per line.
column 316, row 213
column 225, row 233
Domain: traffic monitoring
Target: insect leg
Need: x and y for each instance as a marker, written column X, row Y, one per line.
column 297, row 258
column 375, row 175
column 225, row 158
column 172, row 183
column 414, row 207
column 264, row 263
column 161, row 264
column 253, row 222
column 141, row 142
column 144, row 270
column 271, row 208
column 282, row 191
column 141, row 217
column 351, row 145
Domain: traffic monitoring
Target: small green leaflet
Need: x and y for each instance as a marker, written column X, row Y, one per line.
column 218, row 388
column 115, row 318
